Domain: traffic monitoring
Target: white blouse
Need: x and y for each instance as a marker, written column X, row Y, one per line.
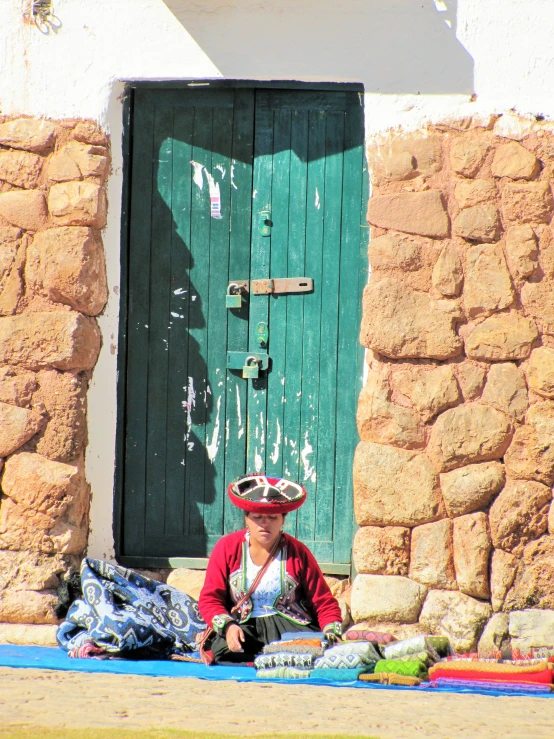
column 268, row 588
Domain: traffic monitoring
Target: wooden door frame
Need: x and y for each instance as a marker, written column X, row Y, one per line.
column 127, row 151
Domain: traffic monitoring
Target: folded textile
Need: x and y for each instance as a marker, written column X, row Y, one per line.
column 415, row 669
column 491, row 671
column 343, row 675
column 422, row 657
column 494, row 685
column 284, row 659
column 441, row 645
column 389, row 678
column 302, row 642
column 365, row 635
column 269, row 673
column 293, row 635
column 347, row 656
column 292, row 648
column 410, row 646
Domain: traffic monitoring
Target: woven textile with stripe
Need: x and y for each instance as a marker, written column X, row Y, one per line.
column 122, row 611
column 344, row 675
column 348, row 656
column 415, row 669
column 364, row 635
column 283, row 672
column 284, row 659
column 472, row 670
column 410, row 646
column 278, row 648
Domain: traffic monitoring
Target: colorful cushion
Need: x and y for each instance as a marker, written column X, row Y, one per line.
column 422, row 657
column 378, row 637
column 292, row 648
column 441, row 645
column 284, row 659
column 270, row 673
column 470, row 670
column 347, row 656
column 410, row 646
column 344, row 675
column 415, row 669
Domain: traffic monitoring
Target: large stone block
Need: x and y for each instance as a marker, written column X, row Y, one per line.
column 190, row 582
column 30, row 570
column 469, row 488
column 386, row 598
column 24, row 208
column 431, row 557
column 410, row 156
column 468, row 433
column 488, row 286
column 402, row 323
column 27, row 133
column 494, row 636
column 478, row 223
column 534, row 581
column 530, row 456
column 506, row 389
column 384, row 422
column 504, row 567
column 392, row 252
column 474, row 192
column 471, row 379
column 28, row 606
column 63, row 395
column 12, row 262
column 64, row 340
column 67, row 265
column 472, row 548
column 467, row 155
column 448, row 273
column 521, row 251
column 382, row 550
column 420, row 213
column 20, row 168
column 519, row 515
column 515, row 161
column 37, row 635
column 17, row 425
column 502, row 337
column 430, row 391
column 77, row 160
column 78, row 204
column 540, row 371
column 89, row 133
column 457, row 616
column 531, row 628
column 527, row 202
column 394, row 487
column 538, row 300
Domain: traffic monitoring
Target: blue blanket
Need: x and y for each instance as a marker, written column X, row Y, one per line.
column 126, row 613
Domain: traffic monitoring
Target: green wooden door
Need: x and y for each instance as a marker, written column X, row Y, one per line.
column 205, row 165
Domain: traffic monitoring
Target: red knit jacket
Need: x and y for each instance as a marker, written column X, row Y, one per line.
column 305, row 596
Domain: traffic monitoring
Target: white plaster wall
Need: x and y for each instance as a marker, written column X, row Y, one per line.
column 418, row 60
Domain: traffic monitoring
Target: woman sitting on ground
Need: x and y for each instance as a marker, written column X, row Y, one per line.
column 291, row 595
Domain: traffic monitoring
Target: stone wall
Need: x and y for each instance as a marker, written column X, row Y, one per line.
column 454, row 470
column 52, row 284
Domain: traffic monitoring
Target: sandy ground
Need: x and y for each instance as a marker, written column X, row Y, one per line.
column 32, row 697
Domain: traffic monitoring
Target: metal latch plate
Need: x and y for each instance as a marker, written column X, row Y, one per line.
column 237, row 360
column 282, row 285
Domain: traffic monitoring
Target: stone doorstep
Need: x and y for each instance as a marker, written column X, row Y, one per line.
column 37, row 635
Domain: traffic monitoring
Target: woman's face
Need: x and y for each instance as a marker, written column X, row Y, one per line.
column 264, row 528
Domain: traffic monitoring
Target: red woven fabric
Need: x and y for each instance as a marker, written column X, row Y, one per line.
column 543, row 676
column 363, row 634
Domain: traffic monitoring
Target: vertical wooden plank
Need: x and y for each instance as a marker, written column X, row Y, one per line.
column 158, row 346
column 315, row 209
column 260, row 262
column 179, row 298
column 329, row 326
column 195, row 403
column 138, row 322
column 280, row 218
column 239, row 269
column 216, row 313
column 353, row 260
column 297, row 455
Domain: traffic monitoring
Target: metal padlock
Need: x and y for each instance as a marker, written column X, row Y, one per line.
column 251, row 370
column 233, row 299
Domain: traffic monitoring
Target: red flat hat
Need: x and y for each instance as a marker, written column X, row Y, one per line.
column 261, row 494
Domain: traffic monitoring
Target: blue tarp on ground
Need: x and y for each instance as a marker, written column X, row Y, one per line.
column 52, row 658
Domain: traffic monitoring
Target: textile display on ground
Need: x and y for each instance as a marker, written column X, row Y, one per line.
column 410, row 646
column 396, row 667
column 52, row 658
column 340, row 675
column 292, row 648
column 122, row 611
column 390, row 678
column 348, row 655
column 290, row 673
column 354, row 634
column 493, row 671
column 284, row 659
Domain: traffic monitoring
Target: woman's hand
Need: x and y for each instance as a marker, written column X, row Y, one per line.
column 234, row 636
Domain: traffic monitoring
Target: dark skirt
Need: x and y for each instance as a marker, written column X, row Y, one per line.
column 257, row 633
